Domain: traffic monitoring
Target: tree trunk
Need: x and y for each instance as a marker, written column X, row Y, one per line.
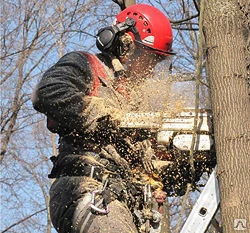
column 227, row 70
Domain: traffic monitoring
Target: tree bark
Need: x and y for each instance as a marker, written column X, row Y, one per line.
column 227, row 70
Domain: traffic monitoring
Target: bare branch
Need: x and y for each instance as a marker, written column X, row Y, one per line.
column 23, row 220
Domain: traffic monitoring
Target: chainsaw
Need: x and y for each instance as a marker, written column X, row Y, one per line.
column 174, row 131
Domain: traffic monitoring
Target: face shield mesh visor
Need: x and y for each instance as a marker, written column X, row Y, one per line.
column 154, row 91
column 162, row 68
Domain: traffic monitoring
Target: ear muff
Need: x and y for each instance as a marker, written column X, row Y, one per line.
column 107, row 38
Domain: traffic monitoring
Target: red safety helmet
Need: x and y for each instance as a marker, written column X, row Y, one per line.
column 152, row 25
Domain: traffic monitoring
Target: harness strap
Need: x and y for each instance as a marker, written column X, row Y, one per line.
column 89, row 219
column 99, row 74
column 84, row 218
column 97, row 70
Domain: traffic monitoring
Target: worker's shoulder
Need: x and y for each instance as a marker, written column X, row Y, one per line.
column 75, row 55
column 73, row 63
column 79, row 58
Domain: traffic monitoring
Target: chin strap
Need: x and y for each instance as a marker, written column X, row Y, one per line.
column 121, row 76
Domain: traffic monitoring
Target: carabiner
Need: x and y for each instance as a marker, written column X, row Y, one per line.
column 92, row 203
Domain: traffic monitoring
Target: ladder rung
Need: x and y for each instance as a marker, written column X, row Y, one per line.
column 204, row 208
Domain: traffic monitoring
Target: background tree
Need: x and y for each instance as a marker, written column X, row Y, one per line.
column 226, row 28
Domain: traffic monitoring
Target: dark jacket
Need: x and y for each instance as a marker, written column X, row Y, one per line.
column 60, row 92
column 59, row 95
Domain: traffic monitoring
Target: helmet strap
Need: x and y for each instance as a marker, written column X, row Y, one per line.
column 121, row 77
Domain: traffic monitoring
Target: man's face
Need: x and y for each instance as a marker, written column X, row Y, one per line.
column 149, row 59
column 143, row 62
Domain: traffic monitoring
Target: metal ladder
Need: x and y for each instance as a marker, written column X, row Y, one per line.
column 205, row 207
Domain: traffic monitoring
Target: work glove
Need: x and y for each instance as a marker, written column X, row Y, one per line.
column 145, row 155
column 116, row 163
column 100, row 114
column 109, row 152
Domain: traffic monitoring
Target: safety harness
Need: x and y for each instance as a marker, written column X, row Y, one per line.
column 97, row 70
